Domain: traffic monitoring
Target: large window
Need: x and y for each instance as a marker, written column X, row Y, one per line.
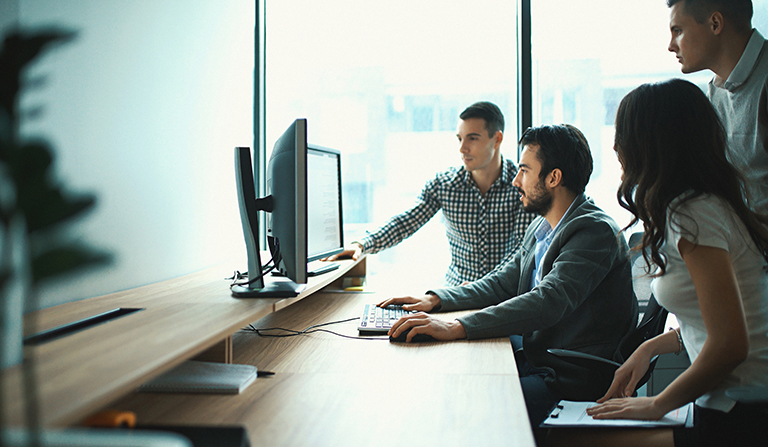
column 384, row 82
column 588, row 54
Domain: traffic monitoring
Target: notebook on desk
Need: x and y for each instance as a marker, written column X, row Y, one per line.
column 203, row 377
column 378, row 320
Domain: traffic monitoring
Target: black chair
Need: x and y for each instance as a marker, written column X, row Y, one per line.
column 653, row 318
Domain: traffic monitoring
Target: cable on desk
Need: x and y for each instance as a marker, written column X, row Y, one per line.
column 266, row 268
column 309, row 330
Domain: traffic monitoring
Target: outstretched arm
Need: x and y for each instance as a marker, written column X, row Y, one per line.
column 406, row 224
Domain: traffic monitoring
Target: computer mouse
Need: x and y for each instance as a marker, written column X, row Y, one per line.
column 418, row 338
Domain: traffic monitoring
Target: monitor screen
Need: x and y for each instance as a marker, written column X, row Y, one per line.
column 324, row 213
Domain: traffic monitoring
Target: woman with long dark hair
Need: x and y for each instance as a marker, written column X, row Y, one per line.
column 709, row 254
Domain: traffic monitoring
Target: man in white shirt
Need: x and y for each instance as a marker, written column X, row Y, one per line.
column 717, row 35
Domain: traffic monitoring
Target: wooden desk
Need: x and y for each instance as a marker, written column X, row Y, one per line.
column 334, row 391
column 182, row 318
column 457, row 393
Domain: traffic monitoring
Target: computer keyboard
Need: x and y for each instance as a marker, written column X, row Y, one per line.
column 379, row 320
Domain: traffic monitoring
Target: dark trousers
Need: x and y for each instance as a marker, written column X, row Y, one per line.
column 539, row 398
column 744, row 426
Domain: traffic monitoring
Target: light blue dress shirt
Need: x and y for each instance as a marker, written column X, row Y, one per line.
column 544, row 235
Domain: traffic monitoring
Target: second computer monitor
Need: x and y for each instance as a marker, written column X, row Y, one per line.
column 325, row 229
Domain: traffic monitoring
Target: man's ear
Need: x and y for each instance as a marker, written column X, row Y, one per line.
column 555, row 178
column 499, row 136
column 716, row 23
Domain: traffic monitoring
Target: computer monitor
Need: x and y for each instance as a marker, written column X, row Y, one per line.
column 324, row 205
column 287, row 185
column 286, row 203
column 304, row 205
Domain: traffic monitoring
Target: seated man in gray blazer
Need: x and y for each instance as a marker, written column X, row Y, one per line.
column 568, row 287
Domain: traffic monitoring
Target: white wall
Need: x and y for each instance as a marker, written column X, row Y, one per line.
column 144, row 109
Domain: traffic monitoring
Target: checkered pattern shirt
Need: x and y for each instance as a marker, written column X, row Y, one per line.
column 483, row 231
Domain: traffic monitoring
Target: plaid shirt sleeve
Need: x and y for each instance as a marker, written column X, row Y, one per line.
column 406, row 224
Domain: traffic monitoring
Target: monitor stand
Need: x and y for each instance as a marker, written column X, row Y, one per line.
column 272, row 289
column 325, row 268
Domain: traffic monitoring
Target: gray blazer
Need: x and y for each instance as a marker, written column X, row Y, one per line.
column 584, row 302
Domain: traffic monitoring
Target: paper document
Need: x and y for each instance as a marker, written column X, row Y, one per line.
column 574, row 414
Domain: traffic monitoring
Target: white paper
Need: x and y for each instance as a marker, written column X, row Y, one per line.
column 574, row 414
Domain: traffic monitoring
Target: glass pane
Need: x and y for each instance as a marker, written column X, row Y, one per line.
column 600, row 51
column 384, row 82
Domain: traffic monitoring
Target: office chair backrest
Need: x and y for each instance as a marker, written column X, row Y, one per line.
column 653, row 315
column 652, row 324
column 641, row 278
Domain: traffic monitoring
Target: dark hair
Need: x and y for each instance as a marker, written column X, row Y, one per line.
column 494, row 119
column 738, row 11
column 561, row 147
column 671, row 144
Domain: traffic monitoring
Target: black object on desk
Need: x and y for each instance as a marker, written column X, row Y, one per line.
column 208, row 435
column 418, row 338
column 79, row 325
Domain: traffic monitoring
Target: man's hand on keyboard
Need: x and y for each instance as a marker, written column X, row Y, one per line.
column 423, row 323
column 423, row 303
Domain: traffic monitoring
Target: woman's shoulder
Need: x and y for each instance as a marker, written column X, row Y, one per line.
column 703, row 218
column 697, row 201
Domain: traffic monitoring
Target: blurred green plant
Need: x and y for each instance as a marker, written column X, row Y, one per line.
column 28, row 188
column 34, row 207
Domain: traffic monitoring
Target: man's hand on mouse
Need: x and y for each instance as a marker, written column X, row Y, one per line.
column 423, row 303
column 423, row 323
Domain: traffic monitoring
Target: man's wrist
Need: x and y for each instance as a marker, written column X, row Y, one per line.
column 435, row 301
column 458, row 331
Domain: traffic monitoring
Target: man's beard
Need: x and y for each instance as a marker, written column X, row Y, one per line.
column 541, row 203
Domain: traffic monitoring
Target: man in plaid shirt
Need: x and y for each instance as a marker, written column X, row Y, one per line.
column 485, row 221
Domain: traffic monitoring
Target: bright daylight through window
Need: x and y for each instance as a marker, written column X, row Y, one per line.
column 384, row 83
column 586, row 56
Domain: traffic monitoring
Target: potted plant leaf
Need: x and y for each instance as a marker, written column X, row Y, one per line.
column 35, row 208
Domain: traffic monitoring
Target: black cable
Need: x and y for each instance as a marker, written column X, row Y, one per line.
column 294, row 332
column 309, row 330
column 266, row 268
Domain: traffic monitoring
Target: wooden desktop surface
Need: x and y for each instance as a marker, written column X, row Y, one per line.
column 183, row 317
column 327, row 390
column 335, row 391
